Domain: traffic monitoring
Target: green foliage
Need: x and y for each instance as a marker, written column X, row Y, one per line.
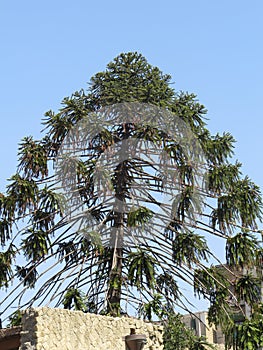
column 219, row 148
column 246, row 335
column 15, row 319
column 130, row 78
column 189, row 248
column 141, row 269
column 247, row 288
column 139, row 216
column 85, row 248
column 167, row 285
column 153, row 307
column 5, row 231
column 6, row 261
column 222, row 178
column 186, row 203
column 74, row 299
column 178, row 337
column 191, row 111
column 35, row 245
column 249, row 335
column 240, row 250
column 51, row 202
column 207, row 281
column 28, row 275
column 32, row 158
column 200, row 343
column 219, row 310
column 24, row 193
column 242, row 204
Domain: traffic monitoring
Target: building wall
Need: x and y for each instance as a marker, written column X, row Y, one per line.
column 198, row 322
column 50, row 329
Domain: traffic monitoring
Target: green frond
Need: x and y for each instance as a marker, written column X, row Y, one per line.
column 74, row 299
column 189, row 248
column 28, row 275
column 141, row 269
column 24, row 193
column 6, row 262
column 247, row 289
column 51, row 202
column 241, row 249
column 209, row 280
column 36, row 244
column 219, row 148
column 241, row 205
column 153, row 307
column 167, row 285
column 139, row 216
column 186, row 204
column 32, row 159
column 222, row 178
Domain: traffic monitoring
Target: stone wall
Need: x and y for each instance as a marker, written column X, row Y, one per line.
column 50, row 329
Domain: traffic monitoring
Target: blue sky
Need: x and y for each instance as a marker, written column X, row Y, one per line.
column 50, row 49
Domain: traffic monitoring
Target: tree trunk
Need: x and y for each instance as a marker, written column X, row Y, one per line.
column 115, row 277
column 117, row 234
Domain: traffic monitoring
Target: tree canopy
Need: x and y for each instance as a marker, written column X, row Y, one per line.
column 113, row 208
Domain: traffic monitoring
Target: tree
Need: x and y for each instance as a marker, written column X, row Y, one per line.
column 235, row 293
column 89, row 225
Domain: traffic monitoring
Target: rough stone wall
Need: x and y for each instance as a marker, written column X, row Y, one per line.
column 50, row 329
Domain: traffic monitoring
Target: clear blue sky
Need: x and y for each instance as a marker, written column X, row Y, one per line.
column 50, row 49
